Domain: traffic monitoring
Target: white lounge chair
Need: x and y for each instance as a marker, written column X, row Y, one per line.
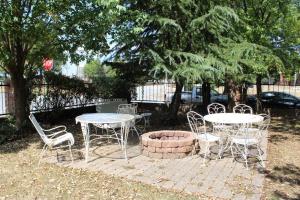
column 56, row 138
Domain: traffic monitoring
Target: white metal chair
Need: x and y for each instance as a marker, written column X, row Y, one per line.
column 197, row 125
column 247, row 137
column 135, row 107
column 130, row 109
column 108, row 131
column 242, row 108
column 109, row 105
column 216, row 108
column 57, row 138
column 266, row 122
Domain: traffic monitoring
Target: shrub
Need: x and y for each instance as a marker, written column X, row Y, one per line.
column 61, row 91
column 7, row 129
column 112, row 87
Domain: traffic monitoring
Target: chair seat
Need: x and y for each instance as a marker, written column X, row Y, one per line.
column 208, row 137
column 244, row 141
column 63, row 138
column 223, row 126
column 249, row 129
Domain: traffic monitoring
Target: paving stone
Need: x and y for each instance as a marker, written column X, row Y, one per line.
column 187, row 174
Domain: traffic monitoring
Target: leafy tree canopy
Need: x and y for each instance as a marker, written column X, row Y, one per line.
column 95, row 69
column 31, row 30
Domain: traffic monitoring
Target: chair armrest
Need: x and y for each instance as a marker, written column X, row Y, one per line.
column 58, row 127
column 56, row 133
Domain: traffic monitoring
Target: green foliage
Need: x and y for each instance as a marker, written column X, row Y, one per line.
column 273, row 24
column 108, row 87
column 93, row 69
column 31, row 30
column 7, row 129
column 173, row 37
column 48, row 29
column 96, row 69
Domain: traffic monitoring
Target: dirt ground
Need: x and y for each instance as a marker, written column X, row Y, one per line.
column 283, row 161
column 20, row 178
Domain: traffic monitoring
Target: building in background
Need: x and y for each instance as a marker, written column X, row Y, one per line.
column 73, row 70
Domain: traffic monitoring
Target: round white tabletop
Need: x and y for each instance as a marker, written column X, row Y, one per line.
column 104, row 118
column 233, row 118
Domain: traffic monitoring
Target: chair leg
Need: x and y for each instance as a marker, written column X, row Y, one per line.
column 96, row 130
column 220, row 150
column 260, row 156
column 231, row 150
column 246, row 155
column 45, row 147
column 136, row 131
column 206, row 152
column 117, row 137
column 70, row 149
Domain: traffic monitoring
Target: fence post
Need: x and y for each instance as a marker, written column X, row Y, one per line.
column 9, row 97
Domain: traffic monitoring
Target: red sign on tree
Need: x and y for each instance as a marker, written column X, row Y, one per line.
column 47, row 64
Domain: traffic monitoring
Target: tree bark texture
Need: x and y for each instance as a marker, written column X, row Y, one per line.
column 234, row 95
column 21, row 95
column 175, row 104
column 206, row 94
column 258, row 93
column 243, row 93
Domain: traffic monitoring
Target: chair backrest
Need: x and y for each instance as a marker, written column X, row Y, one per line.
column 261, row 127
column 135, row 107
column 216, row 108
column 110, row 106
column 242, row 108
column 126, row 109
column 39, row 129
column 196, row 122
column 264, row 125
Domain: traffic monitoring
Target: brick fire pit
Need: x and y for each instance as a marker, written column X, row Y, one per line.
column 168, row 144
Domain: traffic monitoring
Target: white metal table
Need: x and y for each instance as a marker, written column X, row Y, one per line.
column 233, row 118
column 106, row 119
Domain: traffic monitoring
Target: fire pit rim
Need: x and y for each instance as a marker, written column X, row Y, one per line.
column 188, row 138
column 173, row 148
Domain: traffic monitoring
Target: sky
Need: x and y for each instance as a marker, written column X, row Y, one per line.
column 70, row 69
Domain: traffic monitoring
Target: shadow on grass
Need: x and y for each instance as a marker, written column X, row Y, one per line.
column 281, row 195
column 17, row 144
column 285, row 120
column 288, row 174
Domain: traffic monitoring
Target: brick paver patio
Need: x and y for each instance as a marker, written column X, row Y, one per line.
column 220, row 178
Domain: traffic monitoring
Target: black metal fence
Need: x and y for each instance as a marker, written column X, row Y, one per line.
column 162, row 91
column 45, row 99
column 5, row 97
column 151, row 92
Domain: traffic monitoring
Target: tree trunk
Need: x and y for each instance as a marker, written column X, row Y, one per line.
column 21, row 95
column 206, row 94
column 234, row 95
column 258, row 86
column 226, row 86
column 258, row 93
column 243, row 93
column 174, row 107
